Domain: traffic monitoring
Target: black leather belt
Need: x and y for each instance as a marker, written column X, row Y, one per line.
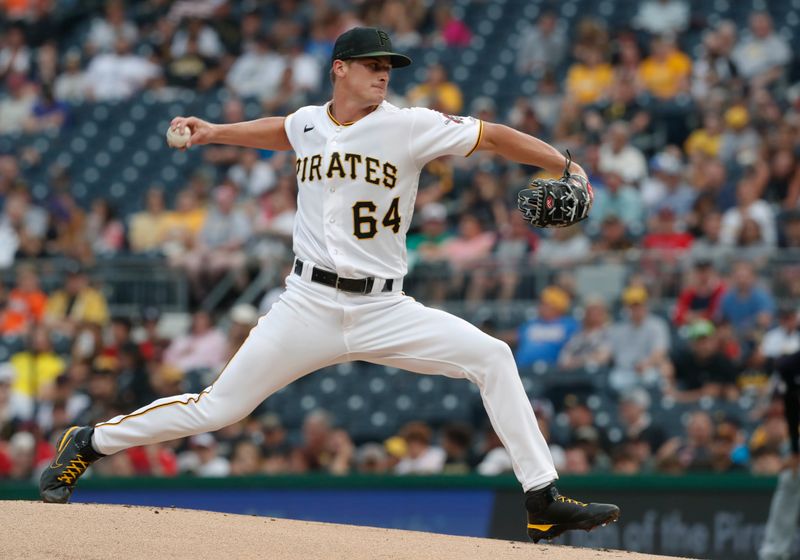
column 328, row 278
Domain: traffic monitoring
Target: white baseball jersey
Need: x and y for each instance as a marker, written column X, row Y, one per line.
column 357, row 182
column 357, row 185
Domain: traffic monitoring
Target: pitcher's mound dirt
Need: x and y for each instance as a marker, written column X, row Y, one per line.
column 90, row 531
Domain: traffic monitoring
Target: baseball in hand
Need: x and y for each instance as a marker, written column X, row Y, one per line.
column 177, row 140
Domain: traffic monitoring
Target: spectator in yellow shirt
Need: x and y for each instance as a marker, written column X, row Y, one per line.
column 665, row 73
column 36, row 368
column 183, row 225
column 705, row 141
column 146, row 233
column 437, row 93
column 589, row 80
column 77, row 303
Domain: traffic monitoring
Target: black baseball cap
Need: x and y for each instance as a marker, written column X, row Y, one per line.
column 365, row 42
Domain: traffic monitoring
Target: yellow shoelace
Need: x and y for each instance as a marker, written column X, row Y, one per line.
column 566, row 500
column 75, row 469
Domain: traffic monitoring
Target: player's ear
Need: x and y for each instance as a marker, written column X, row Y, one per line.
column 339, row 69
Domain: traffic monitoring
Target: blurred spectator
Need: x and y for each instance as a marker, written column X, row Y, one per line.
column 495, row 459
column 324, row 448
column 590, row 347
column 659, row 17
column 26, row 303
column 437, row 93
column 642, row 433
column 15, row 56
column 219, row 246
column 565, row 247
column 589, row 80
column 196, row 32
column 542, row 46
column 371, row 458
column 705, row 141
column 16, row 109
column 22, row 453
column 667, row 188
column 546, row 104
column 784, row 180
column 665, row 73
column 426, row 250
column 613, row 236
column 702, row 370
column 421, row 456
column 541, row 339
column 740, row 141
column 640, row 343
column 276, row 448
column 243, row 317
column 403, row 22
column 119, row 74
column 190, row 68
column 203, row 347
column 702, row 295
column 9, row 409
column 202, row 459
column 664, row 236
column 621, row 106
column 253, row 176
column 618, row 156
column 105, row 31
column 692, row 452
column 746, row 305
column 183, row 225
column 472, row 244
column 749, row 206
column 275, row 220
column 35, row 371
column 104, row 231
column 761, row 55
column 146, row 231
column 790, row 231
column 257, row 72
column 456, row 443
column 450, row 31
column 246, row 459
column 76, row 303
column 781, row 340
column 71, row 85
column 513, row 249
column 618, row 199
column 47, row 113
column 714, row 69
column 708, row 246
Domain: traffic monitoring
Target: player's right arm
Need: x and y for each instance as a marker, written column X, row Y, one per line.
column 263, row 134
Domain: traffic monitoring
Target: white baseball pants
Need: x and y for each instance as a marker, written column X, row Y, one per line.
column 313, row 326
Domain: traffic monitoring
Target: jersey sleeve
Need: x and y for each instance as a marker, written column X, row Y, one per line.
column 288, row 123
column 435, row 134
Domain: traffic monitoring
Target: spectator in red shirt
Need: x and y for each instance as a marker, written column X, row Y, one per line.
column 700, row 299
column 664, row 235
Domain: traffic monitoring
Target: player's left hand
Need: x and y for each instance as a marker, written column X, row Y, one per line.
column 556, row 202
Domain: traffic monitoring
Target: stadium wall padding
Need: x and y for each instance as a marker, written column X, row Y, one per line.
column 700, row 516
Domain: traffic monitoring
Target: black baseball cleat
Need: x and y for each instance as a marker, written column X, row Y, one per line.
column 73, row 456
column 550, row 514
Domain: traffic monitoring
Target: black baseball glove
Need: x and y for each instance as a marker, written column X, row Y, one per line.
column 556, row 202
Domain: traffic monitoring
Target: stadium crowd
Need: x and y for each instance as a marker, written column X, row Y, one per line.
column 693, row 155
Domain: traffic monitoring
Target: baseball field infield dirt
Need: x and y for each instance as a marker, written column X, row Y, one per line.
column 31, row 530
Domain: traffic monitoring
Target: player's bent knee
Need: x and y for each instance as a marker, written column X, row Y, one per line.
column 223, row 414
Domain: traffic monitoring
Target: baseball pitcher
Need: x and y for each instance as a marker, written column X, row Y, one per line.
column 358, row 164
